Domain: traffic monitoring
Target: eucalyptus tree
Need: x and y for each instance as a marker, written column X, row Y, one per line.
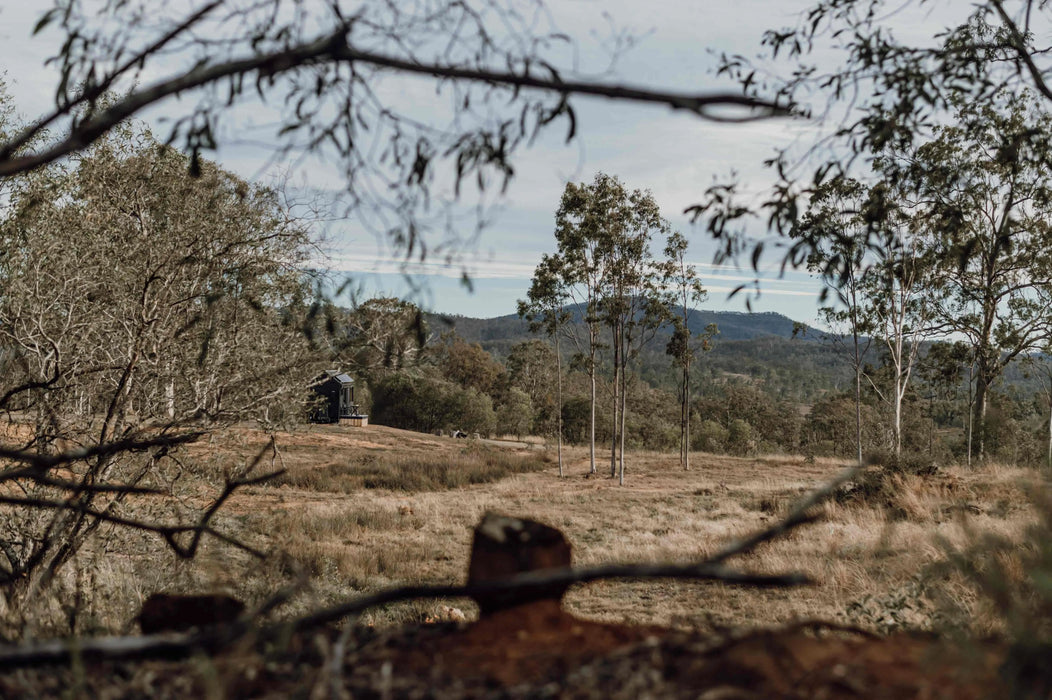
column 682, row 282
column 544, row 308
column 898, row 297
column 633, row 303
column 837, row 253
column 983, row 191
column 604, row 267
column 580, row 266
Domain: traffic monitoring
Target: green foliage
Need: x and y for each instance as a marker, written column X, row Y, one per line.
column 577, row 412
column 740, row 437
column 773, row 425
column 469, row 365
column 532, row 369
column 515, row 414
column 428, row 404
column 710, row 436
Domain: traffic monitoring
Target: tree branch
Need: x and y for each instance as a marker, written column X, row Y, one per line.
column 334, row 48
column 96, row 91
column 171, row 646
column 37, row 462
column 1018, row 43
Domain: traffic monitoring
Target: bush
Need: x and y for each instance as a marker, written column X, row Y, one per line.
column 427, row 404
column 740, row 440
column 710, row 436
column 515, row 415
column 878, row 484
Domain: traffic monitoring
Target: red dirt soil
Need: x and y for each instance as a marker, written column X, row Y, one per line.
column 540, row 646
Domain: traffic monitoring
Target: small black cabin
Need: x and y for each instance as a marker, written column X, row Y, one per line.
column 336, row 390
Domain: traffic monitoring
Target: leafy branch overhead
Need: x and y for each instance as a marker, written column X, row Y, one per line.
column 332, row 83
column 872, row 93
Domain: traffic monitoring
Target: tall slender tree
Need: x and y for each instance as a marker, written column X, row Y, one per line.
column 839, row 235
column 544, row 308
column 681, row 281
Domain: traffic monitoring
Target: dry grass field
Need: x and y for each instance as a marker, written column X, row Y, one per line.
column 362, row 509
column 365, row 508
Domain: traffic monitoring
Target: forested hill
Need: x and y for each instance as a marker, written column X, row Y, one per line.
column 498, row 334
column 757, row 347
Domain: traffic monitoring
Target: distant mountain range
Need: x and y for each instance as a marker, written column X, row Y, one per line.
column 759, row 348
column 498, row 334
column 756, row 347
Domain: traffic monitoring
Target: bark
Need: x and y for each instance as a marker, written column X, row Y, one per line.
column 591, row 422
column 617, row 396
column 559, row 400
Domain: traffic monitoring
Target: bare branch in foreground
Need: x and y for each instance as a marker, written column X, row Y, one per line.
column 334, row 48
column 169, row 646
column 799, row 515
column 170, row 533
column 177, row 646
column 36, row 462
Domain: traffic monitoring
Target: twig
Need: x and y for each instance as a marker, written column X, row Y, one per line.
column 530, row 583
column 334, row 48
column 798, row 516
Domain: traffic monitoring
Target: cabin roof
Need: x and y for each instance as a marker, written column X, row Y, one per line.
column 340, row 377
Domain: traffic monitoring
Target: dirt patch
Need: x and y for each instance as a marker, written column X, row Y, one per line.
column 540, row 651
column 519, row 645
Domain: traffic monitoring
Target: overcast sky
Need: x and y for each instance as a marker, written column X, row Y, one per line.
column 675, row 156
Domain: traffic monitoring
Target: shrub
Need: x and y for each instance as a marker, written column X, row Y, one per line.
column 710, row 436
column 740, row 440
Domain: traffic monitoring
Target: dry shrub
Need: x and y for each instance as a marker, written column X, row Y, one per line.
column 882, row 483
column 1003, row 585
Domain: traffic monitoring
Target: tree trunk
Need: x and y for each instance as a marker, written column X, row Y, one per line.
column 624, row 412
column 559, row 401
column 971, row 404
column 591, row 422
column 686, row 416
column 858, row 413
column 617, row 386
column 982, row 388
column 898, row 417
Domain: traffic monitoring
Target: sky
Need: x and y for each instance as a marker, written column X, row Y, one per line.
column 676, row 156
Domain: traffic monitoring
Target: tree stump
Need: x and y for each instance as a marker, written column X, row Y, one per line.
column 503, row 547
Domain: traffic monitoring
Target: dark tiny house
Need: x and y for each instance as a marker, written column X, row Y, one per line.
column 337, row 404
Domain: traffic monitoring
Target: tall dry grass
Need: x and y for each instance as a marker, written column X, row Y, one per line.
column 362, row 509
